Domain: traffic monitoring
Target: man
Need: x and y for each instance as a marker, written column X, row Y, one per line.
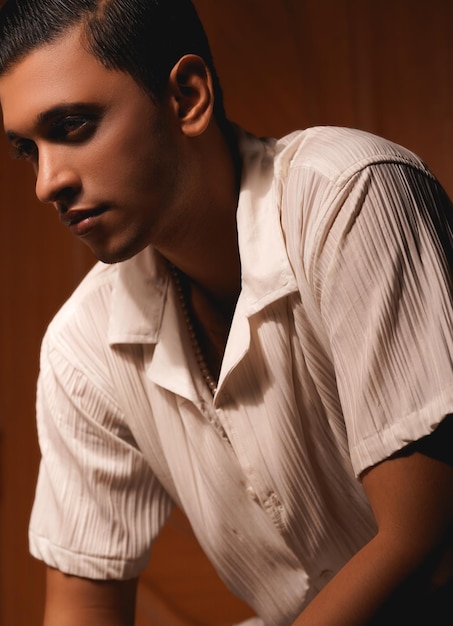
column 267, row 341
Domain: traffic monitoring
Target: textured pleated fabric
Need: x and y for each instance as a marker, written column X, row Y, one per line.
column 340, row 353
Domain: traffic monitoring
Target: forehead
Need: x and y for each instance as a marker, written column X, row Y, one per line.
column 55, row 74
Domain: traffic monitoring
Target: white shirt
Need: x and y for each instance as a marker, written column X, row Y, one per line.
column 340, row 353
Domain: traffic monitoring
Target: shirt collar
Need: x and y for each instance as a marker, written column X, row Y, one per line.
column 141, row 286
column 266, row 271
column 138, row 299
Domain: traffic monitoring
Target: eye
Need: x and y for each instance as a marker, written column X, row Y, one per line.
column 72, row 127
column 24, row 150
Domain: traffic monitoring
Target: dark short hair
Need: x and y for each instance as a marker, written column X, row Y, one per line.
column 144, row 38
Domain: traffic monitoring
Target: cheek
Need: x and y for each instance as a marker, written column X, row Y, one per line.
column 117, row 162
column 137, row 161
column 130, row 153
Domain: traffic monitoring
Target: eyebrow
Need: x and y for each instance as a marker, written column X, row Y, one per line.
column 59, row 110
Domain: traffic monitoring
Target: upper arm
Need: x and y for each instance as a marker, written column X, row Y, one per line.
column 413, row 489
column 386, row 303
column 98, row 505
column 411, row 496
column 71, row 601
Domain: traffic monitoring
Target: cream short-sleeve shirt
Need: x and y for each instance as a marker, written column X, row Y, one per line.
column 340, row 353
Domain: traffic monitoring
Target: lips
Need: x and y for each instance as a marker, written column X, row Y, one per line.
column 83, row 221
column 75, row 216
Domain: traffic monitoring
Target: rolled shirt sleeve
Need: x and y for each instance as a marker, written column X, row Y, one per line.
column 385, row 293
column 98, row 505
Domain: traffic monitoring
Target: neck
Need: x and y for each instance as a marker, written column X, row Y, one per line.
column 206, row 249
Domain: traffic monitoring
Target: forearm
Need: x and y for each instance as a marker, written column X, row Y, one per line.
column 93, row 616
column 382, row 583
column 411, row 556
column 72, row 601
column 354, row 596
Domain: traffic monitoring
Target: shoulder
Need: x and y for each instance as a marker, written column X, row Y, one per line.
column 75, row 345
column 88, row 305
column 76, row 339
column 338, row 153
column 113, row 305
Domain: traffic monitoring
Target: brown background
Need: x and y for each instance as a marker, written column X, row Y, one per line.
column 380, row 65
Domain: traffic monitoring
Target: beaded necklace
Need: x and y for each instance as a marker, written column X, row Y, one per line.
column 198, row 352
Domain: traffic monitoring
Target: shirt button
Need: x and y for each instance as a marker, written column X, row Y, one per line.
column 326, row 575
column 251, row 493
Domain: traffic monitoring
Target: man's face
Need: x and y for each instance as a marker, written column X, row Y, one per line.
column 104, row 154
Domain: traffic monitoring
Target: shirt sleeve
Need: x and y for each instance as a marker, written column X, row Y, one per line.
column 98, row 506
column 383, row 276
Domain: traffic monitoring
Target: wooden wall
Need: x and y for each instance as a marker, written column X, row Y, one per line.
column 380, row 65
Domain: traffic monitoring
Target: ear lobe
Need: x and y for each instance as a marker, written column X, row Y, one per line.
column 191, row 86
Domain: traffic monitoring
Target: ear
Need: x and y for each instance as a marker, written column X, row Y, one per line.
column 192, row 93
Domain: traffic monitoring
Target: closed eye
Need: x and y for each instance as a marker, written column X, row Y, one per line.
column 72, row 127
column 24, row 149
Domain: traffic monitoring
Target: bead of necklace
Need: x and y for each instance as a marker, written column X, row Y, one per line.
column 196, row 347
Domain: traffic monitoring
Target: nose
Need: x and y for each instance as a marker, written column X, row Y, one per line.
column 56, row 177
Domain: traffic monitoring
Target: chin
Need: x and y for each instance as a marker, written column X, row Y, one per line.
column 111, row 259
column 116, row 255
